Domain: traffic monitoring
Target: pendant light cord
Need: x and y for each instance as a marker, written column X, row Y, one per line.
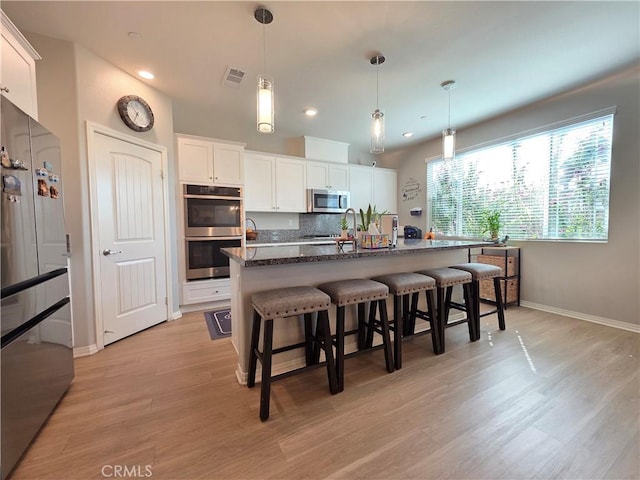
column 449, row 89
column 377, row 82
column 264, row 41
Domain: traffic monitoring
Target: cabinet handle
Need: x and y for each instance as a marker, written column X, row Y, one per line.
column 4, row 89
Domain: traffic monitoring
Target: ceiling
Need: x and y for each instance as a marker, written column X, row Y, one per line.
column 502, row 55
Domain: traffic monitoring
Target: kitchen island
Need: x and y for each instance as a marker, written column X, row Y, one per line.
column 254, row 269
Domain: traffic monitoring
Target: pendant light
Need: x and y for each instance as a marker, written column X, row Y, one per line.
column 377, row 117
column 448, row 135
column 265, row 109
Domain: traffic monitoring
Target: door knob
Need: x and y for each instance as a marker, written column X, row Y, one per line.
column 108, row 251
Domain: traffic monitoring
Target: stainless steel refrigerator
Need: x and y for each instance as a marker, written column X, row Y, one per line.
column 35, row 314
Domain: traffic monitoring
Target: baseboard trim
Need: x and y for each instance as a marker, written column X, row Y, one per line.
column 85, row 351
column 176, row 315
column 583, row 316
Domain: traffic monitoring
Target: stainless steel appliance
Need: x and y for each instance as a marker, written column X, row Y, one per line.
column 35, row 313
column 411, row 232
column 213, row 220
column 204, row 258
column 327, row 201
column 212, row 211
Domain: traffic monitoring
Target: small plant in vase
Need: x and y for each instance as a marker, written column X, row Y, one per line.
column 491, row 223
column 344, row 227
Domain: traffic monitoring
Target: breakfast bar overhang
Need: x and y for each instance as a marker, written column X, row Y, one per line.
column 255, row 269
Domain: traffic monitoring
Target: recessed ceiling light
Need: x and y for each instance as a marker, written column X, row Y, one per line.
column 422, row 117
column 407, row 134
column 135, row 36
column 310, row 112
column 146, row 74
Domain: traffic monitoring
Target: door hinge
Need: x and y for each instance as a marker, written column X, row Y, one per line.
column 166, row 300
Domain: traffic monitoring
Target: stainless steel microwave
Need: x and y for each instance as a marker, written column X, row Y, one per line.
column 327, row 201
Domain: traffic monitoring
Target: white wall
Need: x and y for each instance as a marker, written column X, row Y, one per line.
column 76, row 86
column 600, row 280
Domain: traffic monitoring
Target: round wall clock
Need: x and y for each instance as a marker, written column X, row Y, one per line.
column 135, row 113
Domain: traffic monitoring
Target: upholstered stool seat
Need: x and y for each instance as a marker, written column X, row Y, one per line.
column 401, row 286
column 446, row 279
column 280, row 303
column 483, row 271
column 359, row 291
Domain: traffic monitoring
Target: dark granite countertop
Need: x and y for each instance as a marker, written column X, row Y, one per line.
column 281, row 255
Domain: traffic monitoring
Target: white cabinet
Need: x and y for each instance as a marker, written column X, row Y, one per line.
column 201, row 291
column 259, row 183
column 204, row 161
column 290, row 185
column 385, row 190
column 361, row 186
column 373, row 186
column 274, row 184
column 228, row 164
column 18, row 71
column 327, row 175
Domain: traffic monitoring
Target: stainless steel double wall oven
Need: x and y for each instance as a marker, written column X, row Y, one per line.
column 213, row 220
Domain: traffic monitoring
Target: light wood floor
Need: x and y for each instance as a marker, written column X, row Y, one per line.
column 550, row 397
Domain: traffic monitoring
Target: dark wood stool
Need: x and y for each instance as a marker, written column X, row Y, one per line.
column 358, row 292
column 282, row 303
column 483, row 271
column 401, row 286
column 446, row 279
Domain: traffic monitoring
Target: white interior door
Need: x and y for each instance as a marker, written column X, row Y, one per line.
column 131, row 237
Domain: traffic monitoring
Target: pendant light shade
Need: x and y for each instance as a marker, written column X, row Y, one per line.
column 448, row 135
column 448, row 144
column 265, row 101
column 377, row 132
column 377, row 117
column 265, row 104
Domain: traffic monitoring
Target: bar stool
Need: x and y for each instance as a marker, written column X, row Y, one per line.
column 282, row 303
column 483, row 271
column 358, row 292
column 401, row 285
column 446, row 279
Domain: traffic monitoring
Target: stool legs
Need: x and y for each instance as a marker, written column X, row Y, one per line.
column 398, row 329
column 253, row 350
column 312, row 352
column 325, row 338
column 340, row 347
column 472, row 306
column 499, row 303
column 265, row 387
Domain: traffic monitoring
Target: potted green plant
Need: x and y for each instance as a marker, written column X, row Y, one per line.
column 491, row 223
column 344, row 227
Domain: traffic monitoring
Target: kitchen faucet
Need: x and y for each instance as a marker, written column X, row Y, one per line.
column 355, row 226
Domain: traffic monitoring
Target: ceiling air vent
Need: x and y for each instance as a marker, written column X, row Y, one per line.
column 233, row 77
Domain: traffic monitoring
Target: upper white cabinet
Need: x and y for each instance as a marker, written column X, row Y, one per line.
column 373, row 186
column 274, row 183
column 327, row 175
column 361, row 186
column 385, row 190
column 18, row 72
column 207, row 161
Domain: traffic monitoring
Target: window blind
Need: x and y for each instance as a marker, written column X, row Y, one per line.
column 549, row 185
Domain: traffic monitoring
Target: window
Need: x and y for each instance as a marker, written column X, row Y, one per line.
column 549, row 185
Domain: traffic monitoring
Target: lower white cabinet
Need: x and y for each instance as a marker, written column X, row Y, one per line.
column 274, row 184
column 202, row 291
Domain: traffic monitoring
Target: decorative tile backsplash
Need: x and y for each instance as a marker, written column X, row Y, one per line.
column 310, row 225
